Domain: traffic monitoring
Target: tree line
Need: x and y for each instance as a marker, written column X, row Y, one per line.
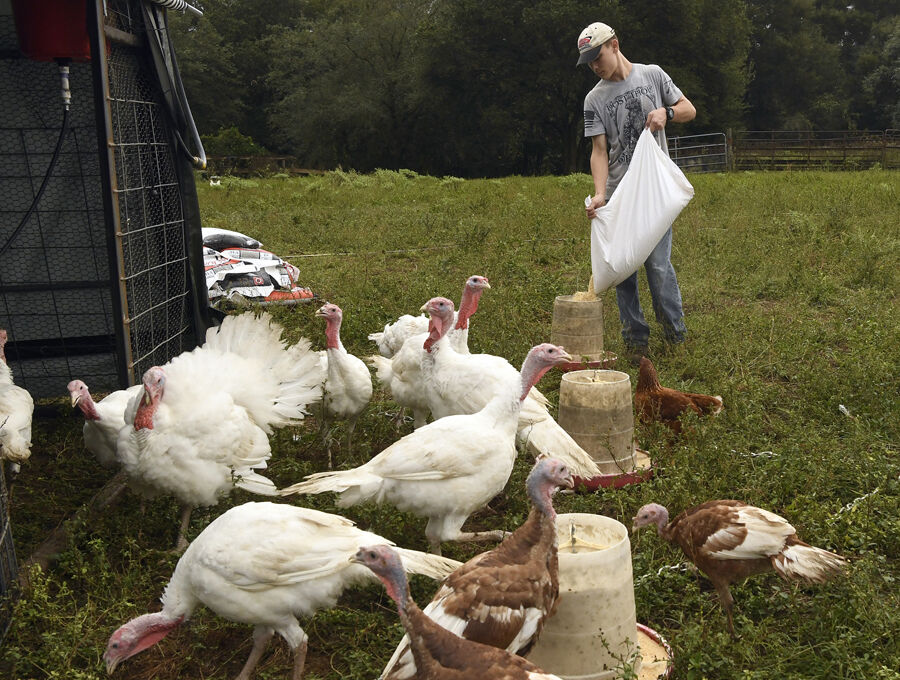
column 476, row 88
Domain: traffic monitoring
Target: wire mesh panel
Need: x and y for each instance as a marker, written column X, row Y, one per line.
column 153, row 242
column 91, row 287
column 9, row 568
column 55, row 298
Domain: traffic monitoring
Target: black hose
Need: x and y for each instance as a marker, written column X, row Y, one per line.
column 47, row 175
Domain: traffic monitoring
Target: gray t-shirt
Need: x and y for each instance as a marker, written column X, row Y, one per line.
column 619, row 110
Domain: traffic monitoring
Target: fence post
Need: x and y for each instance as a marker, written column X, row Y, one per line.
column 729, row 150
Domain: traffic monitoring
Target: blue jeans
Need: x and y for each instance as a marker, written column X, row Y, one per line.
column 664, row 292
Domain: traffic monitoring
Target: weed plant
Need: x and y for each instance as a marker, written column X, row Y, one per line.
column 790, row 284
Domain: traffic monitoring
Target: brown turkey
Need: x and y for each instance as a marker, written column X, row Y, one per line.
column 730, row 540
column 502, row 597
column 438, row 653
column 654, row 402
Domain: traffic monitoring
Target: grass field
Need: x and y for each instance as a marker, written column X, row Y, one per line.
column 790, row 283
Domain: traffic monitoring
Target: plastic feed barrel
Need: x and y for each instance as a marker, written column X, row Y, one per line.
column 595, row 408
column 578, row 326
column 593, row 634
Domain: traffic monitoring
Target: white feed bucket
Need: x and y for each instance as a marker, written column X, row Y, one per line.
column 595, row 408
column 593, row 635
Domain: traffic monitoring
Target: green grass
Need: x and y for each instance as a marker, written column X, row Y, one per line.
column 790, row 283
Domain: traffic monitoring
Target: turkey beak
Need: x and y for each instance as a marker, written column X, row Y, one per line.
column 424, row 308
column 319, row 312
column 565, row 355
column 75, row 399
column 634, row 525
column 111, row 664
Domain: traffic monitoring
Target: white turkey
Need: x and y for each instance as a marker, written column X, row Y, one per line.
column 102, row 419
column 201, row 426
column 468, row 305
column 391, row 339
column 263, row 564
column 348, row 385
column 729, row 540
column 16, row 410
column 456, row 383
column 440, row 654
column 448, row 469
column 503, row 597
column 402, row 374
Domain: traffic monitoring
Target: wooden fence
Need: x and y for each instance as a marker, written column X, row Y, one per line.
column 256, row 166
column 815, row 150
column 714, row 152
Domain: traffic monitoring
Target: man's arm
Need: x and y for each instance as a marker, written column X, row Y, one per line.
column 600, row 172
column 683, row 109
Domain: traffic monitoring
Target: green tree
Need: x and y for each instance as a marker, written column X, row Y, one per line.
column 208, row 70
column 797, row 81
column 513, row 97
column 881, row 82
column 224, row 57
column 347, row 84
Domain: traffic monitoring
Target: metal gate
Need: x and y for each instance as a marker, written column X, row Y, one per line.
column 700, row 153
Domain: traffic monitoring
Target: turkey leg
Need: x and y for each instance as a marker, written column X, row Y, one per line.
column 299, row 660
column 261, row 637
column 181, row 543
column 727, row 601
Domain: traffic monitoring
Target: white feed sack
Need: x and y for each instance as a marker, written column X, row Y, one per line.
column 645, row 204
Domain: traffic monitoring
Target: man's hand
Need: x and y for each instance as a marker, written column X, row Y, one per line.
column 591, row 208
column 656, row 119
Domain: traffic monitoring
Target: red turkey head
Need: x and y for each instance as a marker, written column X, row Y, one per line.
column 81, row 397
column 154, row 385
column 541, row 358
column 330, row 312
column 551, row 473
column 386, row 565
column 652, row 513
column 136, row 636
column 546, row 477
column 441, row 312
column 478, row 283
column 468, row 305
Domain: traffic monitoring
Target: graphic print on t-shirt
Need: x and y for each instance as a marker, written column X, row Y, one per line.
column 630, row 121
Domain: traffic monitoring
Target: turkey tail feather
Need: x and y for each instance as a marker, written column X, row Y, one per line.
column 337, row 481
column 432, row 566
column 402, row 656
column 801, row 561
column 296, row 368
column 547, row 437
column 255, row 483
column 301, row 378
column 383, row 368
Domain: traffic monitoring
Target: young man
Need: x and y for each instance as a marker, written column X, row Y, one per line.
column 629, row 98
